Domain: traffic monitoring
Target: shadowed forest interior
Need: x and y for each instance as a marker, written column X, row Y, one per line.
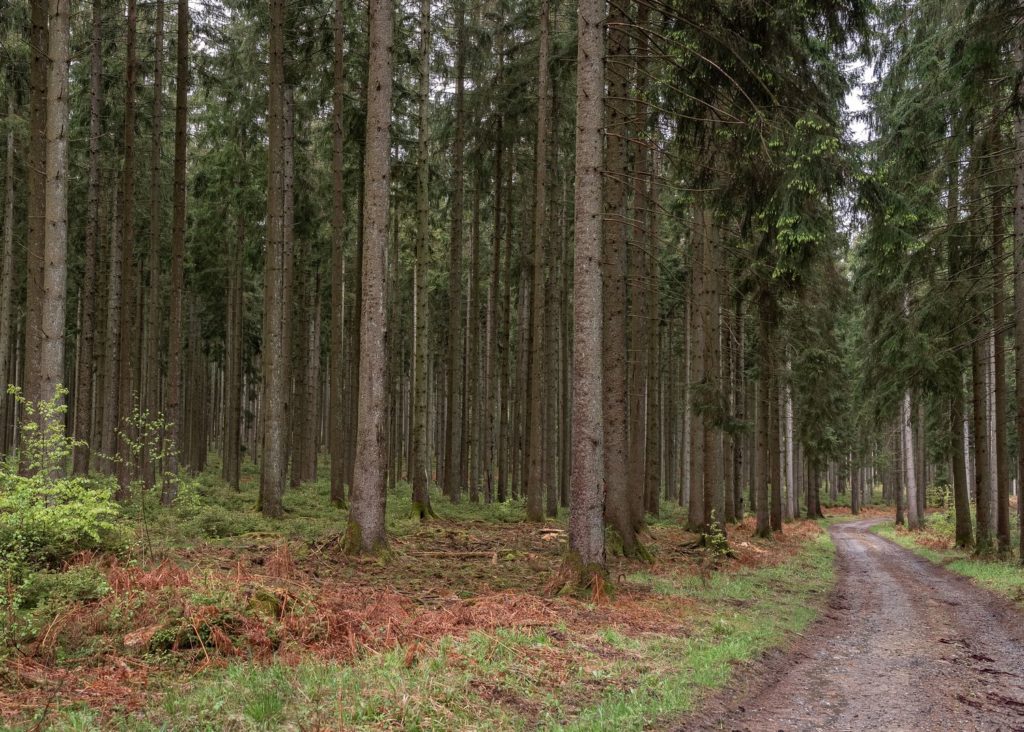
column 523, row 332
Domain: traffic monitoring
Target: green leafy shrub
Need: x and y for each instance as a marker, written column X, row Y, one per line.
column 45, row 521
column 715, row 540
column 45, row 517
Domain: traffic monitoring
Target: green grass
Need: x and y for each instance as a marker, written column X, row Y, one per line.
column 1005, row 577
column 753, row 611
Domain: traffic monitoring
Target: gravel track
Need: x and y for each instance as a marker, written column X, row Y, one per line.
column 904, row 645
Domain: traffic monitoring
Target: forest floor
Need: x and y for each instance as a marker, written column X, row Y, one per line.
column 904, row 645
column 216, row 619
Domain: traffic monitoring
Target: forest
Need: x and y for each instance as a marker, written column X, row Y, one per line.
column 511, row 364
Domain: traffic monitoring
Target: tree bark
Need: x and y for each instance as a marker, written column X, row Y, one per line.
column 55, row 237
column 127, row 379
column 112, row 337
column 714, row 495
column 453, row 426
column 586, row 493
column 494, row 387
column 538, row 371
column 36, row 203
column 979, row 367
column 961, row 493
column 273, row 401
column 1018, row 270
column 337, row 433
column 695, row 507
column 176, row 288
column 86, row 357
column 366, row 529
column 233, row 357
column 7, row 278
column 421, row 459
column 763, row 528
column 617, row 487
column 1000, row 395
column 909, row 462
column 774, row 444
column 794, row 502
column 153, row 290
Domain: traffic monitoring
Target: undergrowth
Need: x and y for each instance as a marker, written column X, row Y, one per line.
column 676, row 637
column 205, row 616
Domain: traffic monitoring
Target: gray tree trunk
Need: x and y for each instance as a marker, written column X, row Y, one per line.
column 586, row 493
column 421, row 331
column 337, row 409
column 1018, row 268
column 55, row 237
column 538, row 371
column 366, row 528
column 86, row 352
column 175, row 334
column 275, row 311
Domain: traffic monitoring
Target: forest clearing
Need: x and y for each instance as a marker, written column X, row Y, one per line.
column 511, row 364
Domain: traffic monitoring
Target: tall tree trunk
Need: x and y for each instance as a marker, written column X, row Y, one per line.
column 453, row 427
column 909, row 462
column 366, row 529
column 355, row 326
column 695, row 508
column 741, row 454
column 275, row 312
column 503, row 439
column 112, row 337
column 979, row 367
column 645, row 189
column 538, row 370
column 152, row 292
column 1018, row 270
column 55, row 237
column 565, row 367
column 233, row 357
column 421, row 459
column 7, row 279
column 586, row 493
column 473, row 396
column 961, row 493
column 794, row 503
column 338, row 408
column 176, row 287
column 1000, row 395
column 290, row 305
column 617, row 487
column 762, row 492
column 86, row 367
column 36, row 204
column 714, row 496
column 855, row 486
column 127, row 380
column 899, row 481
column 494, row 390
column 774, row 452
column 728, row 378
column 302, row 316
column 638, row 278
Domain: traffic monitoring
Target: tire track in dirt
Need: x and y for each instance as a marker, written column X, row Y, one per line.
column 903, row 645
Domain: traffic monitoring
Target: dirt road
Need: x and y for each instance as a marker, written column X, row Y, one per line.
column 904, row 645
